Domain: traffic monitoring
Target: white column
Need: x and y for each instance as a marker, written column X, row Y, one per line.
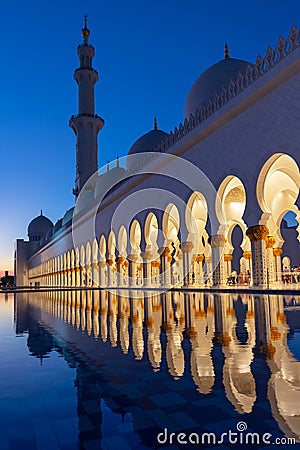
column 147, row 273
column 95, row 273
column 228, row 264
column 186, row 248
column 199, row 280
column 132, row 268
column 120, row 277
column 248, row 258
column 102, row 275
column 110, row 274
column 258, row 235
column 270, row 241
column 217, row 243
column 165, row 269
column 277, row 252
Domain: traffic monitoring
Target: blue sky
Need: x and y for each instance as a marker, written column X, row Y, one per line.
column 148, row 54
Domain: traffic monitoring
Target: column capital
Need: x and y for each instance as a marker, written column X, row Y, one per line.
column 147, row 255
column 217, row 240
column 155, row 264
column 247, row 255
column 164, row 251
column 270, row 241
column 257, row 233
column 277, row 251
column 228, row 257
column 187, row 247
column 199, row 257
column 119, row 260
column 132, row 257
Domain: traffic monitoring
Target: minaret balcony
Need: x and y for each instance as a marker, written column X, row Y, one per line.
column 83, row 119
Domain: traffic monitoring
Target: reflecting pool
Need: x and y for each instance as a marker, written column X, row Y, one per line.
column 119, row 370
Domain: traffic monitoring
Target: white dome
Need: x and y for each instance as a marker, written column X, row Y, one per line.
column 108, row 179
column 145, row 144
column 68, row 216
column 212, row 81
column 38, row 227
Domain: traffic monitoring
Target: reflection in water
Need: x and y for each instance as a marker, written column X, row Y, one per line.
column 284, row 384
column 237, row 376
column 180, row 330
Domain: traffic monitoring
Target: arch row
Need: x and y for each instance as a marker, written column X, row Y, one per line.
column 176, row 248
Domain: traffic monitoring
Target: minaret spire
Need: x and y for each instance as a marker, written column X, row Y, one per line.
column 155, row 126
column 85, row 31
column 226, row 51
column 86, row 124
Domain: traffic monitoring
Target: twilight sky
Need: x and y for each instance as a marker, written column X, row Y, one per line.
column 148, row 54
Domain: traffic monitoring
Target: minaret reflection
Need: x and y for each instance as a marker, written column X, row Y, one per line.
column 284, row 384
column 201, row 331
column 238, row 379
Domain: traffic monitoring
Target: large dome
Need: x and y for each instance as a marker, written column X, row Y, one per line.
column 212, row 81
column 38, row 227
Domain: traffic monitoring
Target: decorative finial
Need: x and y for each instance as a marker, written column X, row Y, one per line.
column 118, row 162
column 41, row 212
column 107, row 166
column 226, row 51
column 155, row 124
column 85, row 31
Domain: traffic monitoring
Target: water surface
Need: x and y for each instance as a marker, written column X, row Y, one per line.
column 91, row 369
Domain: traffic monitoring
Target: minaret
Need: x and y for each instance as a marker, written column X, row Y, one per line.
column 86, row 125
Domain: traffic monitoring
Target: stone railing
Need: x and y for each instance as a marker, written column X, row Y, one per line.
column 254, row 71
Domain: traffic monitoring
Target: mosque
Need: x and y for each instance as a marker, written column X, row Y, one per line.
column 201, row 206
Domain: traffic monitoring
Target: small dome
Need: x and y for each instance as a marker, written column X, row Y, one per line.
column 57, row 226
column 68, row 216
column 212, row 81
column 146, row 143
column 38, row 227
column 109, row 179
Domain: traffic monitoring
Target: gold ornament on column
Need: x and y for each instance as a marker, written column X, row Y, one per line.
column 277, row 251
column 164, row 251
column 217, row 240
column 187, row 246
column 270, row 241
column 257, row 233
column 119, row 260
